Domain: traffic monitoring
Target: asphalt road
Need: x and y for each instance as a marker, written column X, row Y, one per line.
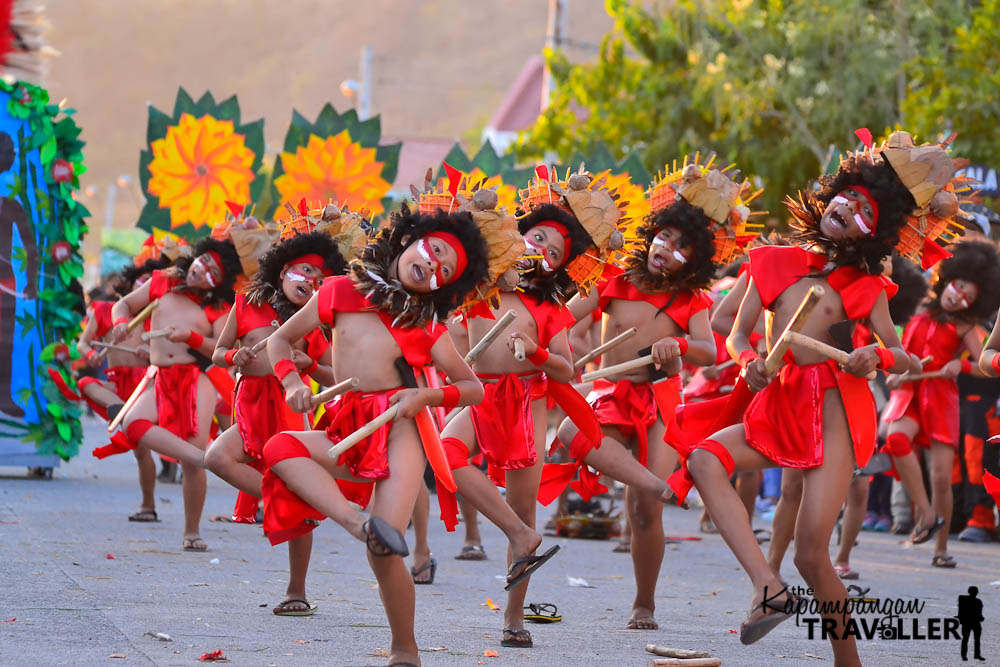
column 66, row 602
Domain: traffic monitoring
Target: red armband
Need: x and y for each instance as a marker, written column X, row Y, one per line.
column 283, row 368
column 194, row 340
column 539, row 357
column 683, row 343
column 966, row 366
column 309, row 370
column 885, row 358
column 450, row 395
column 229, row 356
column 120, row 320
column 995, row 363
column 746, row 357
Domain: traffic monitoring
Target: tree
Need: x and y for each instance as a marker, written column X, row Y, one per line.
column 771, row 85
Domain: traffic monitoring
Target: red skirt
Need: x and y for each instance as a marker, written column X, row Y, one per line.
column 177, row 399
column 502, row 421
column 369, row 459
column 933, row 404
column 785, row 420
column 260, row 411
column 125, row 379
column 633, row 407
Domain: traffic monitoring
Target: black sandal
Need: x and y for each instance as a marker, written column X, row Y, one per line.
column 516, row 639
column 431, row 565
column 145, row 516
column 944, row 561
column 925, row 533
column 532, row 564
column 754, row 631
column 542, row 612
column 382, row 539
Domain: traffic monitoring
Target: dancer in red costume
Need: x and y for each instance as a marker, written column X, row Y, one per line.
column 925, row 412
column 815, row 415
column 662, row 295
column 174, row 413
column 410, row 278
column 288, row 275
column 125, row 371
column 508, row 427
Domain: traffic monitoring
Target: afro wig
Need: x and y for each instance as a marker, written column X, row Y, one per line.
column 895, row 203
column 406, row 227
column 266, row 285
column 555, row 287
column 912, row 290
column 125, row 282
column 976, row 262
column 694, row 226
column 231, row 268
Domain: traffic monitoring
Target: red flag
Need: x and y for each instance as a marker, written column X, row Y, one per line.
column 932, row 254
column 865, row 135
column 303, row 207
column 542, row 172
column 454, row 176
column 234, row 208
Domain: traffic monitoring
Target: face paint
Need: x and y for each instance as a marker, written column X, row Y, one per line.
column 297, row 277
column 839, row 200
column 861, row 224
column 958, row 295
column 678, row 255
column 209, row 278
column 541, row 251
column 437, row 280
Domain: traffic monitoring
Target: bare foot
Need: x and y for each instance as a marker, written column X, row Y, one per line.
column 642, row 619
column 769, row 608
column 525, row 543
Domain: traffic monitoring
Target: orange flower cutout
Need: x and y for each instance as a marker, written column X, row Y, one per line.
column 197, row 167
column 335, row 168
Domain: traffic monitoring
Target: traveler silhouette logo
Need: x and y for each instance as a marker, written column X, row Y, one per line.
column 970, row 615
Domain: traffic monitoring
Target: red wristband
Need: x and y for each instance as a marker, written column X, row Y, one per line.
column 885, row 358
column 966, row 366
column 746, row 357
column 194, row 340
column 539, row 357
column 312, row 367
column 90, row 354
column 683, row 342
column 450, row 396
column 120, row 320
column 283, row 368
column 229, row 356
column 995, row 363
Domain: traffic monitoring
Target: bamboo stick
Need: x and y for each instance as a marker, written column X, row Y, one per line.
column 335, row 390
column 601, row 349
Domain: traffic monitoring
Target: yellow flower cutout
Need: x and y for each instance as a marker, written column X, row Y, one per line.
column 334, row 168
column 197, row 167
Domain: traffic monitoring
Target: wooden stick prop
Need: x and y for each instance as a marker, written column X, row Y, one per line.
column 667, row 652
column 775, row 358
column 111, row 346
column 601, row 349
column 490, row 336
column 133, row 397
column 259, row 345
column 155, row 333
column 624, row 367
column 390, row 414
column 685, row 662
column 819, row 347
column 519, row 349
column 724, row 365
column 930, row 375
column 132, row 324
column 335, row 390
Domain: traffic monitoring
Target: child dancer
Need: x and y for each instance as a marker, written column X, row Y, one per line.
column 411, row 276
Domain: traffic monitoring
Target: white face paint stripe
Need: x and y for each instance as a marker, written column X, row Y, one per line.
column 424, row 250
column 957, row 294
column 208, row 274
column 658, row 241
column 861, row 224
column 839, row 200
column 679, row 256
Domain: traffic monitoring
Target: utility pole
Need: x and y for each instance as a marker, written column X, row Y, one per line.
column 365, row 80
column 555, row 35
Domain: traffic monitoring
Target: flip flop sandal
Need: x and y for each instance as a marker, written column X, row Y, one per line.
column 188, row 545
column 623, row 548
column 472, row 552
column 532, row 562
column 927, row 532
column 142, row 517
column 542, row 612
column 516, row 639
column 280, row 608
column 387, row 540
column 944, row 561
column 753, row 631
column 845, row 572
column 856, row 592
column 708, row 528
column 431, row 565
column 762, row 535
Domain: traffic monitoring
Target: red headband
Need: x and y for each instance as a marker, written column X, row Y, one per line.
column 563, row 231
column 313, row 259
column 871, row 200
column 461, row 259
